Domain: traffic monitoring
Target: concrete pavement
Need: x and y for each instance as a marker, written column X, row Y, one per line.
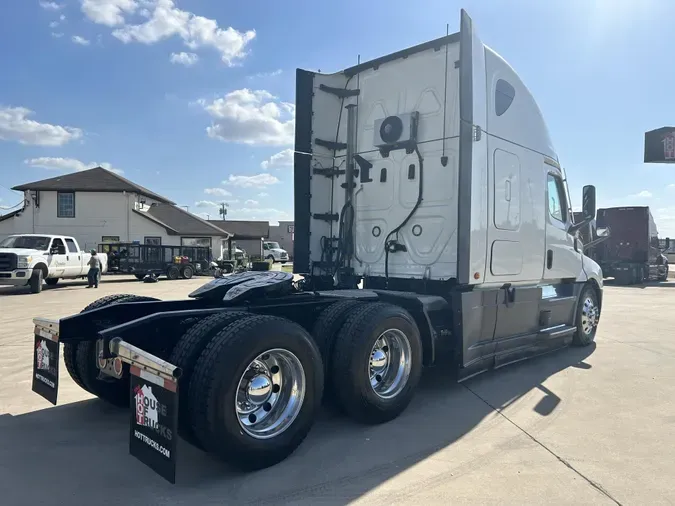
column 580, row 426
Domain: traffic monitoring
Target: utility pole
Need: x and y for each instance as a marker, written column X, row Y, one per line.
column 223, row 211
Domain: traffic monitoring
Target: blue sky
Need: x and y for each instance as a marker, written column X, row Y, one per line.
column 194, row 98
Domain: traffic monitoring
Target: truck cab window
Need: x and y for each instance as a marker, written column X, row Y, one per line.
column 72, row 247
column 557, row 204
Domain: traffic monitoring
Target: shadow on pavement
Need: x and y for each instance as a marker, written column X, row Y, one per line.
column 78, row 453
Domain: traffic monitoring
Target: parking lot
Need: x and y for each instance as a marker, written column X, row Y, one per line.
column 581, row 426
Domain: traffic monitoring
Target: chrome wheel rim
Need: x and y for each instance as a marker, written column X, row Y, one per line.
column 270, row 393
column 589, row 316
column 390, row 363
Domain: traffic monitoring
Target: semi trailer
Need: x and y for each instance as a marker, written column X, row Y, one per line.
column 633, row 252
column 433, row 228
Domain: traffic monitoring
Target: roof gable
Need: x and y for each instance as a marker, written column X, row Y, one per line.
column 180, row 222
column 97, row 179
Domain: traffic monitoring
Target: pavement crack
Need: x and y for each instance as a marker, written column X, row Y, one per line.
column 560, row 459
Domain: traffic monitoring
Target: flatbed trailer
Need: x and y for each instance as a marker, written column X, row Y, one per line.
column 174, row 262
column 434, row 229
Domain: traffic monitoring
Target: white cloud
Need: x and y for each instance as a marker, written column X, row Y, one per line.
column 183, row 58
column 251, row 117
column 15, row 125
column 262, row 75
column 108, row 12
column 80, row 40
column 165, row 20
column 644, row 194
column 206, row 203
column 221, row 192
column 50, row 6
column 257, row 181
column 251, row 202
column 57, row 35
column 263, row 194
column 54, row 24
column 282, row 159
column 68, row 164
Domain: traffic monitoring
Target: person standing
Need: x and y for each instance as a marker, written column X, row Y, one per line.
column 94, row 269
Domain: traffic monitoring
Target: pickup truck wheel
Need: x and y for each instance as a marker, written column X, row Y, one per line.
column 173, row 272
column 185, row 355
column 111, row 390
column 51, row 281
column 187, row 272
column 256, row 391
column 588, row 314
column 139, row 277
column 377, row 362
column 35, row 281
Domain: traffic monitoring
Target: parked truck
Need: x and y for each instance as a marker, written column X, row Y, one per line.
column 432, row 230
column 633, row 252
column 30, row 259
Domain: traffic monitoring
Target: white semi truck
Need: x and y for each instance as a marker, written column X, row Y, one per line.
column 31, row 259
column 433, row 228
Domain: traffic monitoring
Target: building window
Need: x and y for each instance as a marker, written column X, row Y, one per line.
column 204, row 242
column 291, row 229
column 153, row 241
column 504, row 95
column 557, row 205
column 110, row 238
column 65, row 205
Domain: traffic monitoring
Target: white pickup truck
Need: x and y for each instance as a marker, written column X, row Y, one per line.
column 30, row 259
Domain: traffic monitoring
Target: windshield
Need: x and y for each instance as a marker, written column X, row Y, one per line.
column 26, row 241
column 272, row 245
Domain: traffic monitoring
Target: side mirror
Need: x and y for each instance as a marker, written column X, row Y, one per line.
column 54, row 250
column 588, row 202
column 667, row 242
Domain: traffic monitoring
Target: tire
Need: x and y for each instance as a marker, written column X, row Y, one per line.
column 328, row 324
column 228, row 268
column 270, row 259
column 664, row 276
column 114, row 391
column 70, row 349
column 587, row 317
column 139, row 277
column 185, row 355
column 216, row 381
column 172, row 272
column 187, row 272
column 35, row 281
column 51, row 281
column 352, row 362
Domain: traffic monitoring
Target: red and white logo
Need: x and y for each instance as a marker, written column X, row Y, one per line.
column 146, row 407
column 43, row 355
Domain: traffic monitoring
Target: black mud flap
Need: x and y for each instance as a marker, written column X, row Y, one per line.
column 153, row 431
column 46, row 365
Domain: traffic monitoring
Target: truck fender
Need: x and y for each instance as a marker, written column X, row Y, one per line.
column 432, row 315
column 43, row 266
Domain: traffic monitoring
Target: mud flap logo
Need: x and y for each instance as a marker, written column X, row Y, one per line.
column 46, row 368
column 154, row 421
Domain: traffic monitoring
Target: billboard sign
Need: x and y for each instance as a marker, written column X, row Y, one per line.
column 660, row 145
